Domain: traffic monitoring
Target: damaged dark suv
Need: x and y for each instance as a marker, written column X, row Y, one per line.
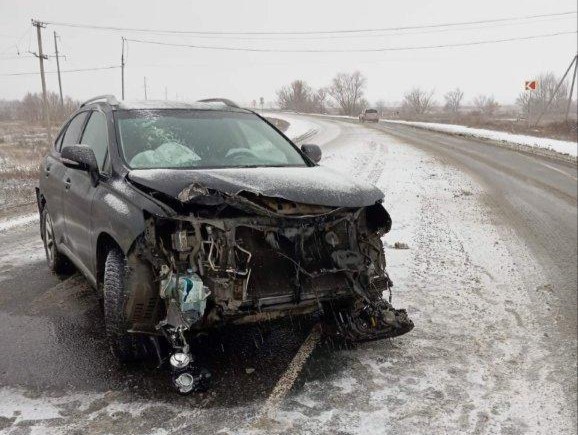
column 189, row 216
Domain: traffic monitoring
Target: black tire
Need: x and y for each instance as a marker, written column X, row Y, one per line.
column 125, row 346
column 57, row 262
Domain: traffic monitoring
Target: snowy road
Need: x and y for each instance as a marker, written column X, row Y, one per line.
column 488, row 279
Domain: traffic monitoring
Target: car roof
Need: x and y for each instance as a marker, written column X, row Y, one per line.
column 165, row 104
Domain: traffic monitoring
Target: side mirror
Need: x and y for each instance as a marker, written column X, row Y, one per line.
column 79, row 157
column 312, row 151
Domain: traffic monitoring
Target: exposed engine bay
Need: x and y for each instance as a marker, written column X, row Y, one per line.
column 248, row 258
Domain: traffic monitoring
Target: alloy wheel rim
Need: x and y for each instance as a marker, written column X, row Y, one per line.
column 49, row 238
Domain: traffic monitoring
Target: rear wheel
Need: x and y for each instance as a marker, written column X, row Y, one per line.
column 125, row 346
column 57, row 262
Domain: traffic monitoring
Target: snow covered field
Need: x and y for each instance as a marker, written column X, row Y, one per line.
column 560, row 146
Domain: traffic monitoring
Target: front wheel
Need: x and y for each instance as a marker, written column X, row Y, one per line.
column 127, row 347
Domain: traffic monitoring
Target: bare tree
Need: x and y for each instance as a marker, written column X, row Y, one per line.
column 418, row 101
column 321, row 100
column 297, row 96
column 453, row 100
column 31, row 107
column 347, row 90
column 487, row 105
column 380, row 106
column 534, row 102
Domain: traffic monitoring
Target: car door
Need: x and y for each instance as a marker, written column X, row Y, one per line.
column 80, row 191
column 52, row 182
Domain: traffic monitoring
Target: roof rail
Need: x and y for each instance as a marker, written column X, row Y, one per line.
column 110, row 99
column 225, row 101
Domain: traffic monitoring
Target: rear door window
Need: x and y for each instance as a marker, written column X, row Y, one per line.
column 72, row 134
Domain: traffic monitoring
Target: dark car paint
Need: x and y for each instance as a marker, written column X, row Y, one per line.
column 83, row 213
column 114, row 207
column 316, row 185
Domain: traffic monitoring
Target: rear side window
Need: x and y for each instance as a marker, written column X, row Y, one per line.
column 96, row 137
column 72, row 134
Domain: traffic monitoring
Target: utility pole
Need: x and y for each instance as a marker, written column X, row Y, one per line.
column 145, row 88
column 574, row 60
column 122, row 68
column 41, row 57
column 572, row 87
column 58, row 69
column 166, row 94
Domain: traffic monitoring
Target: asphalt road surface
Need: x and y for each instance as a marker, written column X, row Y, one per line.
column 489, row 278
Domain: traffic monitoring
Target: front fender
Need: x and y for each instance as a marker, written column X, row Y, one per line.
column 118, row 210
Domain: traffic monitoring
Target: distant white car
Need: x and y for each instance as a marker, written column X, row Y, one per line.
column 369, row 115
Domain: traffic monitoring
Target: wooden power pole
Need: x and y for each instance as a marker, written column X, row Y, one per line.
column 569, row 106
column 58, row 68
column 41, row 57
column 572, row 64
column 122, row 69
column 145, row 88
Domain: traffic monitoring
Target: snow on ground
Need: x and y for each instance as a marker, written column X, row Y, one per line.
column 299, row 128
column 560, row 146
column 18, row 221
column 474, row 362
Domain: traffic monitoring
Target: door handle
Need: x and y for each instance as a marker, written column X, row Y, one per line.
column 67, row 183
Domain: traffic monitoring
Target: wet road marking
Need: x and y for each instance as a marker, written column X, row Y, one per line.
column 560, row 171
column 286, row 381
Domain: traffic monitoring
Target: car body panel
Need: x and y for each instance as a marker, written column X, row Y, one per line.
column 316, row 185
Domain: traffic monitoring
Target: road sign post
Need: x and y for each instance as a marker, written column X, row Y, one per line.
column 531, row 85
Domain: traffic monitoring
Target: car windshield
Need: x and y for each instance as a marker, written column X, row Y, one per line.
column 191, row 139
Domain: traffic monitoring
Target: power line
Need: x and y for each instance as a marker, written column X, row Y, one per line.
column 63, row 71
column 361, row 50
column 367, row 36
column 22, row 56
column 304, row 37
column 296, row 32
column 28, row 31
column 361, row 36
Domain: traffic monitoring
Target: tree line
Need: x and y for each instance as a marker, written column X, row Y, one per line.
column 30, row 108
column 347, row 93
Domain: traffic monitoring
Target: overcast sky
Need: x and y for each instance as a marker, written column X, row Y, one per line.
column 187, row 73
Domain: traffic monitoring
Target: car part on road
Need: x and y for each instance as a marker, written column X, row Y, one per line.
column 187, row 377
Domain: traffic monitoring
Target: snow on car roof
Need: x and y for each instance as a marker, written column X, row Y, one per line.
column 163, row 104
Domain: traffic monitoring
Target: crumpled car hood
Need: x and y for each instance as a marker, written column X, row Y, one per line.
column 315, row 185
